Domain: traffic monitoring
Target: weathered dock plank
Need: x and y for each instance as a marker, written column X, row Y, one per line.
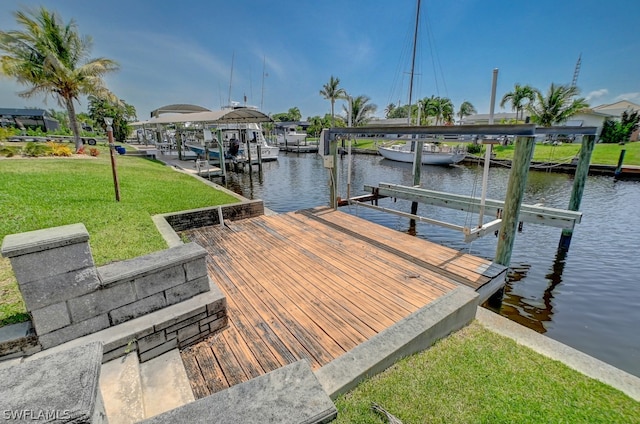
column 313, row 285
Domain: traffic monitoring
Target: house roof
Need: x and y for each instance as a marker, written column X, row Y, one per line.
column 24, row 112
column 621, row 105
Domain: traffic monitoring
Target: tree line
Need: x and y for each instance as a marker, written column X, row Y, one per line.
column 51, row 58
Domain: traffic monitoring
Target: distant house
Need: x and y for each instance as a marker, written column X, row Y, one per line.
column 616, row 109
column 584, row 118
column 287, row 125
column 28, row 119
column 388, row 122
column 483, row 118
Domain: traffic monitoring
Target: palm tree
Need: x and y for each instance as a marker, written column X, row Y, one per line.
column 444, row 110
column 557, row 106
column 389, row 109
column 361, row 110
column 51, row 58
column 429, row 107
column 330, row 91
column 516, row 97
column 466, row 109
column 294, row 114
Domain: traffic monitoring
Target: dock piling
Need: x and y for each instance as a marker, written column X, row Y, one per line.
column 618, row 170
column 513, row 198
column 579, row 181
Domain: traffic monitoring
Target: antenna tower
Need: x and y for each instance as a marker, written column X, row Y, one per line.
column 576, row 72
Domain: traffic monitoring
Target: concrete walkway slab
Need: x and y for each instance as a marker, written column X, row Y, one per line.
column 579, row 361
column 288, row 395
column 122, row 390
column 413, row 334
column 165, row 385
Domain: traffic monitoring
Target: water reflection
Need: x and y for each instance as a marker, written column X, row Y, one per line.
column 523, row 309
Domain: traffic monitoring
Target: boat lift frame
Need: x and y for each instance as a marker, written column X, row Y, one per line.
column 538, row 214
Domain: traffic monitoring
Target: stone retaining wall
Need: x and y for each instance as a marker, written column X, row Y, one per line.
column 196, row 218
column 69, row 297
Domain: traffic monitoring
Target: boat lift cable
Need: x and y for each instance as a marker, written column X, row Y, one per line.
column 467, row 220
column 435, row 58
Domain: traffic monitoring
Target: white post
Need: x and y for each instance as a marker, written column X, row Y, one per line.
column 488, row 146
column 349, row 172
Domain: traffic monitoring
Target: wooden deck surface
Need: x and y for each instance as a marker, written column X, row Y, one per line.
column 313, row 285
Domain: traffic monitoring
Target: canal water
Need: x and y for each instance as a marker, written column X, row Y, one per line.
column 588, row 299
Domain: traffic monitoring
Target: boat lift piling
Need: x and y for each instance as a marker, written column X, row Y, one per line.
column 618, row 170
column 579, row 181
column 513, row 198
column 417, row 168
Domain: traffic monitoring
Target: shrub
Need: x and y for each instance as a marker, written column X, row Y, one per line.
column 5, row 133
column 81, row 151
column 474, row 149
column 8, row 151
column 32, row 149
column 94, row 151
column 59, row 149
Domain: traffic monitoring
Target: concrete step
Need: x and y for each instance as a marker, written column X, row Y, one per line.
column 165, row 384
column 121, row 388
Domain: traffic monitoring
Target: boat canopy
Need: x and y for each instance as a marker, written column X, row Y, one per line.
column 225, row 116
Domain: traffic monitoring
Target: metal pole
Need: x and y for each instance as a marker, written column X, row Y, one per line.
column 488, row 147
column 333, row 184
column 114, row 171
column 245, row 139
column 413, row 59
column 349, row 170
column 221, row 160
column 513, row 200
column 579, row 181
column 417, row 168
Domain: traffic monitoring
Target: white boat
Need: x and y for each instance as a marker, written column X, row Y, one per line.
column 290, row 137
column 231, row 145
column 432, row 153
column 255, row 138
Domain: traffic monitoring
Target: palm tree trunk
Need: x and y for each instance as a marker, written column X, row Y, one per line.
column 333, row 120
column 73, row 123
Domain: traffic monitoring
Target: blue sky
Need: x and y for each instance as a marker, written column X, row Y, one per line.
column 181, row 51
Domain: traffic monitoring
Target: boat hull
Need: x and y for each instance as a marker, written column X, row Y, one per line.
column 291, row 139
column 269, row 153
column 428, row 157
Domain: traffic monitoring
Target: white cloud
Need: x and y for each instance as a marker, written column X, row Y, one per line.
column 596, row 94
column 628, row 96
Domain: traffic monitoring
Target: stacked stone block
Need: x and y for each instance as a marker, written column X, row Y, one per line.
column 69, row 297
column 204, row 217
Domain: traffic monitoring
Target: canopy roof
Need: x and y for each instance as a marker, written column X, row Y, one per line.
column 225, row 116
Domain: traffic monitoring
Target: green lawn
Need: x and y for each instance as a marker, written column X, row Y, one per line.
column 42, row 193
column 603, row 154
column 477, row 376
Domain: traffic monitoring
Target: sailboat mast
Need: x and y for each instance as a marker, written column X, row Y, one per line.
column 413, row 59
column 263, row 75
column 231, row 77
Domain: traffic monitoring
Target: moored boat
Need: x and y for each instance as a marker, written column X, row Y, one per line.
column 290, row 137
column 432, row 153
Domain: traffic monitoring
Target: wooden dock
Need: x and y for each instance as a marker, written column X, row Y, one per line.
column 313, row 285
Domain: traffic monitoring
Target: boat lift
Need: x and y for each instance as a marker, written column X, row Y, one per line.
column 537, row 214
